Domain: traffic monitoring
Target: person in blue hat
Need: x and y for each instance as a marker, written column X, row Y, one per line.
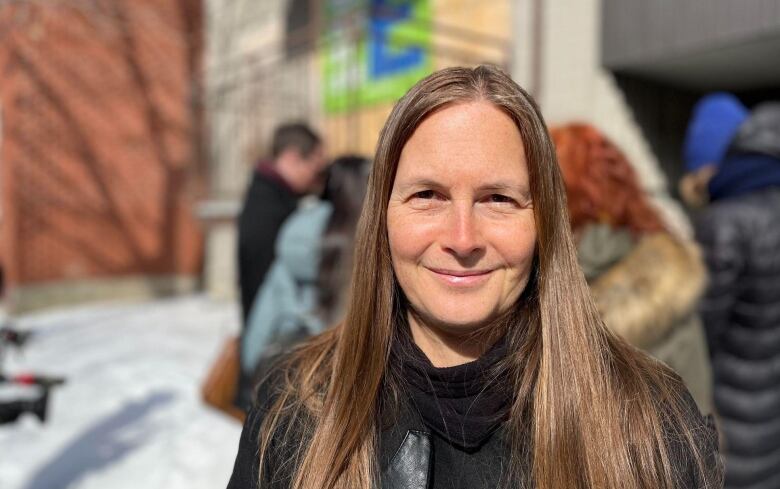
column 714, row 122
column 739, row 232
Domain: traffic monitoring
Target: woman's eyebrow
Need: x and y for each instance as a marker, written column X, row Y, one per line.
column 500, row 186
column 418, row 182
column 523, row 190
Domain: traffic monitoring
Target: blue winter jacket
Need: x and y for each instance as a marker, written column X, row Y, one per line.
column 287, row 298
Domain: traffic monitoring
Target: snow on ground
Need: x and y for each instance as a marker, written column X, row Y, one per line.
column 129, row 415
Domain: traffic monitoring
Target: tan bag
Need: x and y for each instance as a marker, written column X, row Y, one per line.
column 219, row 388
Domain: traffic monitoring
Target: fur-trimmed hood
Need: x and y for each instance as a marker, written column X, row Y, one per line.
column 651, row 289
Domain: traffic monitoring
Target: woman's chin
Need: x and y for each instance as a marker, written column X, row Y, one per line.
column 457, row 323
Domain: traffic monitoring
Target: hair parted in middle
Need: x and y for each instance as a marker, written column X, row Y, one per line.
column 589, row 411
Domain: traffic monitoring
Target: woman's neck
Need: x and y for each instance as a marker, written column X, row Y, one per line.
column 447, row 349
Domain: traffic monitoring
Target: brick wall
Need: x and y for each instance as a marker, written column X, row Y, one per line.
column 99, row 156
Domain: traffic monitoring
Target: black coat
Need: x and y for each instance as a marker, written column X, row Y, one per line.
column 411, row 456
column 741, row 313
column 267, row 204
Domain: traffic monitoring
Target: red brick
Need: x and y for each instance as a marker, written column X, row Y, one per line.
column 98, row 139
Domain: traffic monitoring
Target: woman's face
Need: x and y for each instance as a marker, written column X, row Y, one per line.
column 460, row 218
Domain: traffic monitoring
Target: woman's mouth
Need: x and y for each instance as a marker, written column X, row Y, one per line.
column 461, row 278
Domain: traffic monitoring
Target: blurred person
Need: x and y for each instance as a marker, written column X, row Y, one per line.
column 740, row 234
column 714, row 122
column 303, row 290
column 296, row 168
column 645, row 282
column 471, row 354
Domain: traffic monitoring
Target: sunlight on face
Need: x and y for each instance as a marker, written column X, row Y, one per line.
column 460, row 218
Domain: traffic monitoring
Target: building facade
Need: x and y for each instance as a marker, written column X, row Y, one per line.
column 99, row 161
column 339, row 65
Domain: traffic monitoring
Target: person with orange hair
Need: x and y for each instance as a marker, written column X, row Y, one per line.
column 646, row 282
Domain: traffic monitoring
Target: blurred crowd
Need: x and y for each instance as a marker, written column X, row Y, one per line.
column 707, row 305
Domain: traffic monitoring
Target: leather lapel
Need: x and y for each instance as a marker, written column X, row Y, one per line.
column 411, row 465
column 406, row 450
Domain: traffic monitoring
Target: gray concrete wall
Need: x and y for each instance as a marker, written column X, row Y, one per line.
column 694, row 44
column 645, row 29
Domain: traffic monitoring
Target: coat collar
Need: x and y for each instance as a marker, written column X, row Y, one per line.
column 653, row 288
column 405, row 450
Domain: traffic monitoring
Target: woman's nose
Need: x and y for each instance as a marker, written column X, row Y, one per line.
column 462, row 236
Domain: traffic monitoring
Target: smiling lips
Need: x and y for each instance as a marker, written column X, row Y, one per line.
column 461, row 278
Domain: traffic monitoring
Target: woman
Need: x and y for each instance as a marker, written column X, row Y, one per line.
column 646, row 282
column 304, row 287
column 471, row 354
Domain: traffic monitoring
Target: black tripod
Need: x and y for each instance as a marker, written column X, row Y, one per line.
column 10, row 410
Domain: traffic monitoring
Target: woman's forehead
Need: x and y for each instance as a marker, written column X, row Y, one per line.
column 470, row 118
column 475, row 141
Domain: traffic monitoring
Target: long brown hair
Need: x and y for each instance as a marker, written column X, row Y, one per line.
column 601, row 185
column 589, row 410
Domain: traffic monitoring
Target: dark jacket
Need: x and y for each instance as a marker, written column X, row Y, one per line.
column 412, row 456
column 753, row 159
column 741, row 314
column 740, row 235
column 268, row 202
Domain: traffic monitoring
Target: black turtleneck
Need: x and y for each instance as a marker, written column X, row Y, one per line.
column 464, row 407
column 463, row 404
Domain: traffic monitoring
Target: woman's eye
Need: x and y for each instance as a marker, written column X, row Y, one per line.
column 426, row 200
column 425, row 194
column 500, row 199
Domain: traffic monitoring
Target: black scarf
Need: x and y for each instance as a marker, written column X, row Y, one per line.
column 463, row 404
